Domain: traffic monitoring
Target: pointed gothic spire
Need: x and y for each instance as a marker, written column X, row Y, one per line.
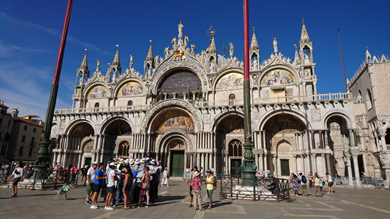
column 296, row 58
column 116, row 58
column 254, row 44
column 212, row 47
column 84, row 64
column 304, row 34
column 150, row 56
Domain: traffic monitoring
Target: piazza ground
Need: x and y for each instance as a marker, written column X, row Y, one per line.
column 174, row 200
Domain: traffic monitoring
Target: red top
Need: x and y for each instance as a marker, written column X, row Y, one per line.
column 195, row 183
column 74, row 169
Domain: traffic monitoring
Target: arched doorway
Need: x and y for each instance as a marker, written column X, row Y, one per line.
column 230, row 134
column 172, row 130
column 77, row 137
column 338, row 139
column 235, row 156
column 286, row 143
column 115, row 133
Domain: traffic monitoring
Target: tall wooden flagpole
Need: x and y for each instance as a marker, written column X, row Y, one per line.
column 43, row 160
column 248, row 167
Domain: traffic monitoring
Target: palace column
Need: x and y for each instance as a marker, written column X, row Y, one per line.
column 348, row 157
column 356, row 167
column 328, row 164
column 323, row 164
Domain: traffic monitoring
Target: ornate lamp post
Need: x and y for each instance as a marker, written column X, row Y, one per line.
column 43, row 154
column 248, row 167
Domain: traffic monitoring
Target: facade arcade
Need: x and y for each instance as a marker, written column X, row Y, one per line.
column 186, row 109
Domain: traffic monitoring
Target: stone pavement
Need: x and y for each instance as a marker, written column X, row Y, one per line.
column 174, row 200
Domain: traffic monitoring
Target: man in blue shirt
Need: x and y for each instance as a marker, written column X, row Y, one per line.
column 99, row 177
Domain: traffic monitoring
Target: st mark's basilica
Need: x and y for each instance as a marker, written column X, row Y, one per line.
column 186, row 109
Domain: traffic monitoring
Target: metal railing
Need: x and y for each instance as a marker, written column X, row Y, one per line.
column 262, row 189
column 45, row 178
column 102, row 109
column 362, row 182
column 306, row 98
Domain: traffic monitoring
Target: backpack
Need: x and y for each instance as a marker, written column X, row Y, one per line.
column 215, row 184
column 304, row 179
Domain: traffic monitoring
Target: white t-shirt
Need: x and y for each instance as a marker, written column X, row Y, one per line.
column 111, row 181
column 91, row 173
column 330, row 179
column 20, row 174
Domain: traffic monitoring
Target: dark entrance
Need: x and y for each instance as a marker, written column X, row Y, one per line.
column 177, row 163
column 88, row 161
column 285, row 167
column 235, row 167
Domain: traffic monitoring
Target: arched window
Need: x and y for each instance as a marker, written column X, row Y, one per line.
column 359, row 97
column 232, row 99
column 96, row 107
column 235, row 148
column 368, row 99
column 178, row 83
column 129, row 103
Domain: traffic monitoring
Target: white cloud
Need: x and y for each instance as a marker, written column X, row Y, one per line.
column 32, row 26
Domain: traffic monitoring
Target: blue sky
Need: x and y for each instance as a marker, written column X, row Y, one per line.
column 30, row 34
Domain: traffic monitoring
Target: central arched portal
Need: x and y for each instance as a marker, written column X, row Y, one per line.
column 175, row 150
column 173, row 129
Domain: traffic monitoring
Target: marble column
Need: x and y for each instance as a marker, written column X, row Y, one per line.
column 356, row 167
column 323, row 165
column 328, row 164
column 261, row 161
column 383, row 141
column 294, row 164
column 348, row 157
column 314, row 163
column 202, row 161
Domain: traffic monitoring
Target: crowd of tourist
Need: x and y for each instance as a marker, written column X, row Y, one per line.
column 300, row 181
column 125, row 181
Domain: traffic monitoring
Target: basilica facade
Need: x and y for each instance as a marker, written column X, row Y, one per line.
column 186, row 110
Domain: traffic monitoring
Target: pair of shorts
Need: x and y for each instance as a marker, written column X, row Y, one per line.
column 89, row 188
column 111, row 189
column 16, row 181
column 303, row 186
column 96, row 187
column 127, row 188
column 330, row 184
column 191, row 191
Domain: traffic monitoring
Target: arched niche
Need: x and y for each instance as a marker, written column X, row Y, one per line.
column 131, row 88
column 229, row 81
column 98, row 91
column 179, row 82
column 278, row 77
column 171, row 119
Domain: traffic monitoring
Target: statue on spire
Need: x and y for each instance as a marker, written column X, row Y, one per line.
column 275, row 46
column 180, row 28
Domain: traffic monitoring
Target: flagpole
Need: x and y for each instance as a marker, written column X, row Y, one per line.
column 43, row 160
column 248, row 167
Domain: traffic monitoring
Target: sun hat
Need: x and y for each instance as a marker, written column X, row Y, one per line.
column 112, row 164
column 95, row 163
column 131, row 161
column 196, row 173
column 210, row 171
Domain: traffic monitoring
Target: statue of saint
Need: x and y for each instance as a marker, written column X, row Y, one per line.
column 180, row 28
column 231, row 49
column 275, row 46
column 131, row 61
column 98, row 65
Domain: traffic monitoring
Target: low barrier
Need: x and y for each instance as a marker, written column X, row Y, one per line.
column 362, row 182
column 263, row 189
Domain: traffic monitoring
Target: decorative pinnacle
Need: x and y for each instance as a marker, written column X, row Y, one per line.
column 303, row 20
column 117, row 47
column 85, row 50
column 253, row 29
column 211, row 31
column 295, row 45
column 150, row 42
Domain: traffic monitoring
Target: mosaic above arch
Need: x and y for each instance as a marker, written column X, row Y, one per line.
column 98, row 91
column 284, row 124
column 278, row 77
column 231, row 124
column 130, row 88
column 230, row 81
column 173, row 119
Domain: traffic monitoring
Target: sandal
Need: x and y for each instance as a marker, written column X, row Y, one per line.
column 190, row 206
column 124, row 208
column 209, row 207
column 13, row 195
column 202, row 209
